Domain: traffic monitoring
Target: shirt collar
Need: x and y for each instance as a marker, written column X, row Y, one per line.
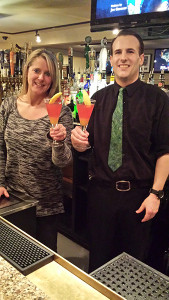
column 129, row 88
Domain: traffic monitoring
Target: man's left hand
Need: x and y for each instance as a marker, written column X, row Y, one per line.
column 151, row 206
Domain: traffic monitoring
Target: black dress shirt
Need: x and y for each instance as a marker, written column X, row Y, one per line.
column 145, row 130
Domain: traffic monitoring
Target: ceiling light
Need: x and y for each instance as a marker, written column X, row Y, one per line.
column 115, row 31
column 38, row 39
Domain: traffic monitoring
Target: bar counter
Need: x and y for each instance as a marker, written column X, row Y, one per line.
column 57, row 279
column 15, row 286
column 49, row 282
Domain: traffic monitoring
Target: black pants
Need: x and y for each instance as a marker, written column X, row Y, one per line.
column 46, row 230
column 114, row 226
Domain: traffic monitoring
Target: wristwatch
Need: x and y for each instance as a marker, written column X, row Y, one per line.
column 159, row 194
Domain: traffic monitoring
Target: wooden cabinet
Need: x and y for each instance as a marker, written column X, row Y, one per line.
column 75, row 182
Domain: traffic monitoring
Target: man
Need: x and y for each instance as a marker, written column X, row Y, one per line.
column 121, row 205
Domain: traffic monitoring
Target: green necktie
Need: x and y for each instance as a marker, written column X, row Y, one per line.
column 115, row 151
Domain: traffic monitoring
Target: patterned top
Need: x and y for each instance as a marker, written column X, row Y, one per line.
column 29, row 163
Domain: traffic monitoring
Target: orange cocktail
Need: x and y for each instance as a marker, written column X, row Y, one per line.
column 84, row 112
column 54, row 110
column 54, row 106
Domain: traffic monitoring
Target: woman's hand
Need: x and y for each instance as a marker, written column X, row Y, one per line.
column 79, row 139
column 58, row 133
column 4, row 192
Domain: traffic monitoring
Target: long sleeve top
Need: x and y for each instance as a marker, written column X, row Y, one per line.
column 145, row 131
column 28, row 161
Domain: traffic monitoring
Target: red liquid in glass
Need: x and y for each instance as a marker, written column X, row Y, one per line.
column 54, row 110
column 84, row 112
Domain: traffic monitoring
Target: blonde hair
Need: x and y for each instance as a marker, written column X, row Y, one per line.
column 52, row 65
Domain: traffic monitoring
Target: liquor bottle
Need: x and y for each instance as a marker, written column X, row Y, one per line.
column 71, row 104
column 1, row 91
column 70, row 61
column 112, row 78
column 103, row 83
column 81, row 83
column 93, row 84
column 92, row 60
column 78, row 75
column 84, row 76
column 1, row 61
column 75, row 114
column 99, row 79
column 6, row 65
column 103, row 56
column 80, row 95
column 149, row 78
column 161, row 83
column 142, row 75
column 152, row 76
column 86, row 55
column 12, row 60
column 66, row 91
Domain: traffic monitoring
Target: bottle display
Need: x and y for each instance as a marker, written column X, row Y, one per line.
column 11, row 64
column 95, row 75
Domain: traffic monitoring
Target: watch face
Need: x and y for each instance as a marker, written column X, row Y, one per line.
column 160, row 194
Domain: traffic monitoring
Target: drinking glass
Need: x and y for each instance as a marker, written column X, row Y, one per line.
column 54, row 110
column 84, row 112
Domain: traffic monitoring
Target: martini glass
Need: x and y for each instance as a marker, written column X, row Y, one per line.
column 54, row 110
column 84, row 112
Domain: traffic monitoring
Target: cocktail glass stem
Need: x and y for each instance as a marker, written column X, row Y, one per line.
column 54, row 141
column 84, row 128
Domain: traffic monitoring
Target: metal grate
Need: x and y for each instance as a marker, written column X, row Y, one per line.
column 133, row 279
column 23, row 253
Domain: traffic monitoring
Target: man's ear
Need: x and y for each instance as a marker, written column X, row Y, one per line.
column 141, row 59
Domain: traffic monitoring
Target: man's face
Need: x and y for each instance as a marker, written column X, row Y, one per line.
column 126, row 60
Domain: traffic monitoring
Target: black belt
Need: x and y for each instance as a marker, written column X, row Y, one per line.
column 123, row 185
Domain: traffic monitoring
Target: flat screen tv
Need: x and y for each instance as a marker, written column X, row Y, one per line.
column 161, row 60
column 105, row 14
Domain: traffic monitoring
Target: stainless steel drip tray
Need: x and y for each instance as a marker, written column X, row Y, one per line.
column 22, row 252
column 133, row 279
column 15, row 203
column 6, row 202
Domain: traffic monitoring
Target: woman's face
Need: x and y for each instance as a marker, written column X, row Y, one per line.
column 39, row 77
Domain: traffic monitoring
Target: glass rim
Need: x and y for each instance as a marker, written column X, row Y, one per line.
column 46, row 100
column 93, row 101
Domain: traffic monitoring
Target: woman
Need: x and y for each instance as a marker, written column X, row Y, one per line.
column 30, row 162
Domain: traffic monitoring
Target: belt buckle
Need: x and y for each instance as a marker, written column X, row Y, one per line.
column 121, row 189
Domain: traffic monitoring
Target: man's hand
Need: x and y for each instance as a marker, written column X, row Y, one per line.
column 58, row 133
column 151, row 206
column 4, row 192
column 79, row 139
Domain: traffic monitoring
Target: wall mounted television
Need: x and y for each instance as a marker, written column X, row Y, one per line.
column 106, row 14
column 161, row 60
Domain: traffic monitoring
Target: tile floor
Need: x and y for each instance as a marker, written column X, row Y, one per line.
column 73, row 252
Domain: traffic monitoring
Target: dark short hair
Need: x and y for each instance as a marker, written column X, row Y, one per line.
column 125, row 32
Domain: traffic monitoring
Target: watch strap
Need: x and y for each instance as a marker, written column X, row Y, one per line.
column 159, row 194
